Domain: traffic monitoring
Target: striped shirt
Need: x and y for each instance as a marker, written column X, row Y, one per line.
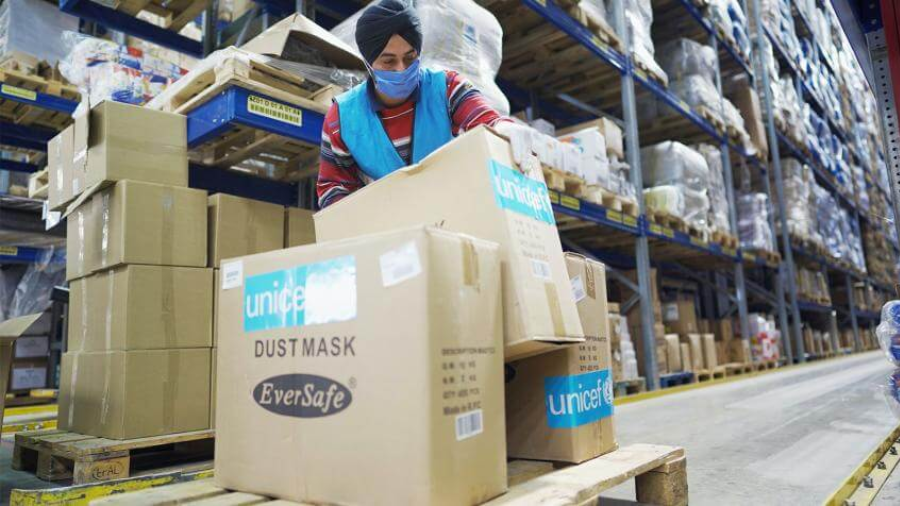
column 339, row 175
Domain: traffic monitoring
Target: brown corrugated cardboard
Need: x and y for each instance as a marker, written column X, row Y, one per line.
column 10, row 330
column 709, row 351
column 393, row 354
column 723, row 329
column 122, row 141
column 680, row 316
column 705, row 326
column 296, row 33
column 687, row 361
column 696, row 343
column 612, row 134
column 146, row 223
column 559, row 404
column 141, row 307
column 746, row 100
column 78, row 229
column 299, row 229
column 212, row 387
column 27, row 375
column 132, row 394
column 239, row 226
column 738, row 350
column 673, row 353
column 471, row 186
column 59, row 192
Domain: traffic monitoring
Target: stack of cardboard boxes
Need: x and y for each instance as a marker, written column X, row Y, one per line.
column 387, row 342
column 140, row 313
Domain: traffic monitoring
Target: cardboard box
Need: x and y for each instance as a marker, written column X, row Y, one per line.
column 723, row 329
column 705, row 326
column 541, row 422
column 398, row 359
column 32, row 347
column 79, row 235
column 615, row 147
column 132, row 394
column 299, row 229
column 27, row 375
column 10, row 330
column 141, row 307
column 471, row 186
column 746, row 100
column 212, row 387
column 673, row 353
column 687, row 361
column 680, row 316
column 239, row 227
column 122, row 141
column 146, row 223
column 739, row 351
column 710, row 360
column 283, row 39
column 59, row 192
column 696, row 344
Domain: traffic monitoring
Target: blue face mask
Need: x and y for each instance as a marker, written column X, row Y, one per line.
column 397, row 85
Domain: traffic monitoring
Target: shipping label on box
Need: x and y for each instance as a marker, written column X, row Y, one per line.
column 471, row 186
column 383, row 348
column 27, row 376
column 32, row 347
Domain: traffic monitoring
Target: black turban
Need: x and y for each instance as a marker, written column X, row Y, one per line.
column 382, row 20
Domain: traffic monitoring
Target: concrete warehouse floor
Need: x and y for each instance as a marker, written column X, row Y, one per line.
column 788, row 437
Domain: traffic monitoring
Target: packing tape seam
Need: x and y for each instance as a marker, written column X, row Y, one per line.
column 84, row 312
column 79, row 213
column 170, row 388
column 72, row 384
column 167, row 239
column 107, row 376
column 168, row 305
column 104, row 234
column 110, row 293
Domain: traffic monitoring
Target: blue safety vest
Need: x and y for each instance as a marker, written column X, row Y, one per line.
column 364, row 135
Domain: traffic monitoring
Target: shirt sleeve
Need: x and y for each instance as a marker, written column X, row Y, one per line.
column 468, row 107
column 339, row 174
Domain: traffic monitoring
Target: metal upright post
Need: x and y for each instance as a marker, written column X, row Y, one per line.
column 786, row 268
column 740, row 287
column 210, row 37
column 642, row 247
column 851, row 299
column 786, row 346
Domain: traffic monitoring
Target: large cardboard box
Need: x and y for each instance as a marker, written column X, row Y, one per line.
column 696, row 343
column 299, row 229
column 680, row 316
column 673, row 353
column 145, row 223
column 385, row 366
column 10, row 330
column 212, row 387
column 687, row 360
column 739, row 351
column 471, row 186
column 121, row 141
column 746, row 100
column 723, row 329
column 59, row 192
column 710, row 360
column 132, row 394
column 79, row 237
column 239, row 227
column 141, row 307
column 559, row 405
column 615, row 147
column 284, row 41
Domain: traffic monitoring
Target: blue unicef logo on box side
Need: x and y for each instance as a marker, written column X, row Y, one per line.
column 572, row 401
column 320, row 292
column 519, row 193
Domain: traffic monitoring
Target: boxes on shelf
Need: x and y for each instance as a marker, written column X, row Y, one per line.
column 753, row 222
column 393, row 302
column 680, row 315
column 624, row 357
column 132, row 394
column 502, row 205
column 612, row 135
column 676, row 179
column 687, row 361
column 719, row 212
column 137, row 307
column 741, row 93
column 10, row 330
column 103, row 146
column 32, row 33
column 764, row 337
column 138, row 223
column 541, row 423
column 673, row 353
column 710, row 354
column 638, row 20
column 240, row 226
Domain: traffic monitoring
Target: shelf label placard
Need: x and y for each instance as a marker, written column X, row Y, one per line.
column 274, row 110
column 15, row 91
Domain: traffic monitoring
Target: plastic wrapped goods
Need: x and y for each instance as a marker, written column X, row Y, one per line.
column 672, row 162
column 677, row 200
column 10, row 276
column 888, row 331
column 753, row 222
column 594, row 163
column 31, row 31
column 718, row 198
column 104, row 70
column 33, row 291
column 798, row 197
column 638, row 20
column 459, row 35
column 683, row 57
column 698, row 92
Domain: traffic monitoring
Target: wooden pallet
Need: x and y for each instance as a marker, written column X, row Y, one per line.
column 23, row 84
column 714, row 119
column 38, row 185
column 601, row 196
column 630, row 387
column 711, row 374
column 599, row 27
column 735, row 368
column 765, row 365
column 676, row 379
column 660, row 474
column 174, row 14
column 771, row 257
column 653, row 74
column 725, row 239
column 668, row 220
column 55, row 455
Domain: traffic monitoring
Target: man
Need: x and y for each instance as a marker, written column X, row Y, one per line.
column 403, row 111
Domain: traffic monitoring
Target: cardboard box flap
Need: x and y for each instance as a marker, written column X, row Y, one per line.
column 15, row 327
column 282, row 41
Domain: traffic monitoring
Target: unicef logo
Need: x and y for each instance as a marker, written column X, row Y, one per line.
column 608, row 391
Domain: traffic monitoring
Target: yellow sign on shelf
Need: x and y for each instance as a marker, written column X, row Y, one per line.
column 629, row 220
column 554, row 197
column 571, row 202
column 9, row 251
column 614, row 216
column 19, row 92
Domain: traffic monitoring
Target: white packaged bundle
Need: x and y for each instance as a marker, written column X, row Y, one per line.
column 459, row 35
column 31, row 31
column 638, row 20
column 671, row 162
column 683, row 57
column 591, row 143
column 666, row 199
column 753, row 221
column 718, row 199
column 696, row 208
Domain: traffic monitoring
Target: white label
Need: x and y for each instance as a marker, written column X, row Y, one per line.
column 578, row 288
column 232, row 274
column 30, row 347
column 400, row 264
column 670, row 312
column 469, row 424
column 541, row 269
column 26, row 378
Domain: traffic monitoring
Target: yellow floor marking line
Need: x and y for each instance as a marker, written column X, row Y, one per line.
column 863, row 484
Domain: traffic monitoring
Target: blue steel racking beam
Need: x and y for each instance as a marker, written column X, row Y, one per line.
column 26, row 255
column 25, row 137
column 111, row 18
column 14, row 166
column 37, row 99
